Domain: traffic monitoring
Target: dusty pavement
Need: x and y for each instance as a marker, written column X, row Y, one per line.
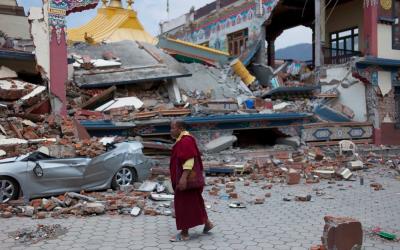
column 276, row 224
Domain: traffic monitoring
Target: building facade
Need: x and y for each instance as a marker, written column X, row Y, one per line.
column 366, row 32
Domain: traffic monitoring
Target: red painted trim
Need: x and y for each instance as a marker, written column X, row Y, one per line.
column 371, row 30
column 377, row 136
column 58, row 70
column 83, row 8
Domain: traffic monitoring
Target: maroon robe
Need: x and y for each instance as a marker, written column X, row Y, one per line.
column 189, row 204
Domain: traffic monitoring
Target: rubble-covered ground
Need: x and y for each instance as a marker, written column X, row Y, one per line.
column 280, row 211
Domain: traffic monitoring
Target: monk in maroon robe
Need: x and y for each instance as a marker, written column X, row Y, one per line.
column 189, row 204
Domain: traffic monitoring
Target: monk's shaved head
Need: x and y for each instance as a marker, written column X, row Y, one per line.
column 180, row 124
column 177, row 126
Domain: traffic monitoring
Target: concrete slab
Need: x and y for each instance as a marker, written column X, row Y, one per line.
column 220, row 144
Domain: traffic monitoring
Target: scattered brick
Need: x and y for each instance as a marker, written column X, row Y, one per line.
column 293, row 177
column 342, row 233
column 6, row 215
column 233, row 195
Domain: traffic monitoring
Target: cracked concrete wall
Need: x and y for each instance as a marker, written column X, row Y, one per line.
column 373, row 106
column 352, row 92
column 39, row 30
column 56, row 104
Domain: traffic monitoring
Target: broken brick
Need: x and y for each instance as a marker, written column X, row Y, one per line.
column 213, row 192
column 6, row 215
column 36, row 203
column 50, row 205
column 233, row 195
column 41, row 215
column 318, row 247
column 259, row 201
column 30, row 135
column 150, row 211
column 268, row 186
column 342, row 233
column 293, row 177
column 376, row 186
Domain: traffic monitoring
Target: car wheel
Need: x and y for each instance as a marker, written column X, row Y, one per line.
column 9, row 189
column 124, row 176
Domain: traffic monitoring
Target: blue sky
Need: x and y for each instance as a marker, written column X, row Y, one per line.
column 152, row 12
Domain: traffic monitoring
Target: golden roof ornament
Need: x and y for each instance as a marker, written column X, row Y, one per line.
column 130, row 2
column 115, row 4
column 104, row 3
column 386, row 4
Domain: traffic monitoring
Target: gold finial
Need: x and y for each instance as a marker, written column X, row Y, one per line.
column 104, row 3
column 130, row 2
column 115, row 4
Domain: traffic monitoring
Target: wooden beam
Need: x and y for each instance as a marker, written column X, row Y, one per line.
column 97, row 100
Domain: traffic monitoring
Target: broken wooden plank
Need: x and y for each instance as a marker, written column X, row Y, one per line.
column 103, row 97
column 16, row 130
column 174, row 112
column 330, row 143
column 154, row 55
column 145, row 115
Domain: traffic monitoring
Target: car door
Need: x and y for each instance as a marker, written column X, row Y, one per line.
column 102, row 168
column 59, row 175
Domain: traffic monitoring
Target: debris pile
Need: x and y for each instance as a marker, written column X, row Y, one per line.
column 38, row 233
column 126, row 201
column 54, row 136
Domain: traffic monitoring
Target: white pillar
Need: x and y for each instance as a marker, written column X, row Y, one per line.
column 173, row 91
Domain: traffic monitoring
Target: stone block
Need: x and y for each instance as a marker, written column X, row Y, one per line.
column 220, row 144
column 94, row 208
column 290, row 141
column 342, row 233
column 29, row 211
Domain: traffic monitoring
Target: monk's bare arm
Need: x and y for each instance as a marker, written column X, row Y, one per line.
column 183, row 181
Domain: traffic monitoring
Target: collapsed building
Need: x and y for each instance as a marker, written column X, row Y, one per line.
column 233, row 97
column 357, row 43
column 210, row 67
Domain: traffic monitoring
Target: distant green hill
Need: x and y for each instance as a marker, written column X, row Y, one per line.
column 301, row 52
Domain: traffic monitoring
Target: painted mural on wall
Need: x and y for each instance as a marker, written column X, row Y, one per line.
column 367, row 75
column 59, row 9
column 214, row 29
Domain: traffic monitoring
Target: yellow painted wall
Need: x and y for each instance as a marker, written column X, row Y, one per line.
column 346, row 16
column 385, row 43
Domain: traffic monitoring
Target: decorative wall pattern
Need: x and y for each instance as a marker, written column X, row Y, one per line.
column 372, row 105
column 367, row 75
column 59, row 9
column 214, row 29
column 329, row 133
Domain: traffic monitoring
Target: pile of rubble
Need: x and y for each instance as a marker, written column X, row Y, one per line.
column 127, row 201
column 221, row 92
column 54, row 136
